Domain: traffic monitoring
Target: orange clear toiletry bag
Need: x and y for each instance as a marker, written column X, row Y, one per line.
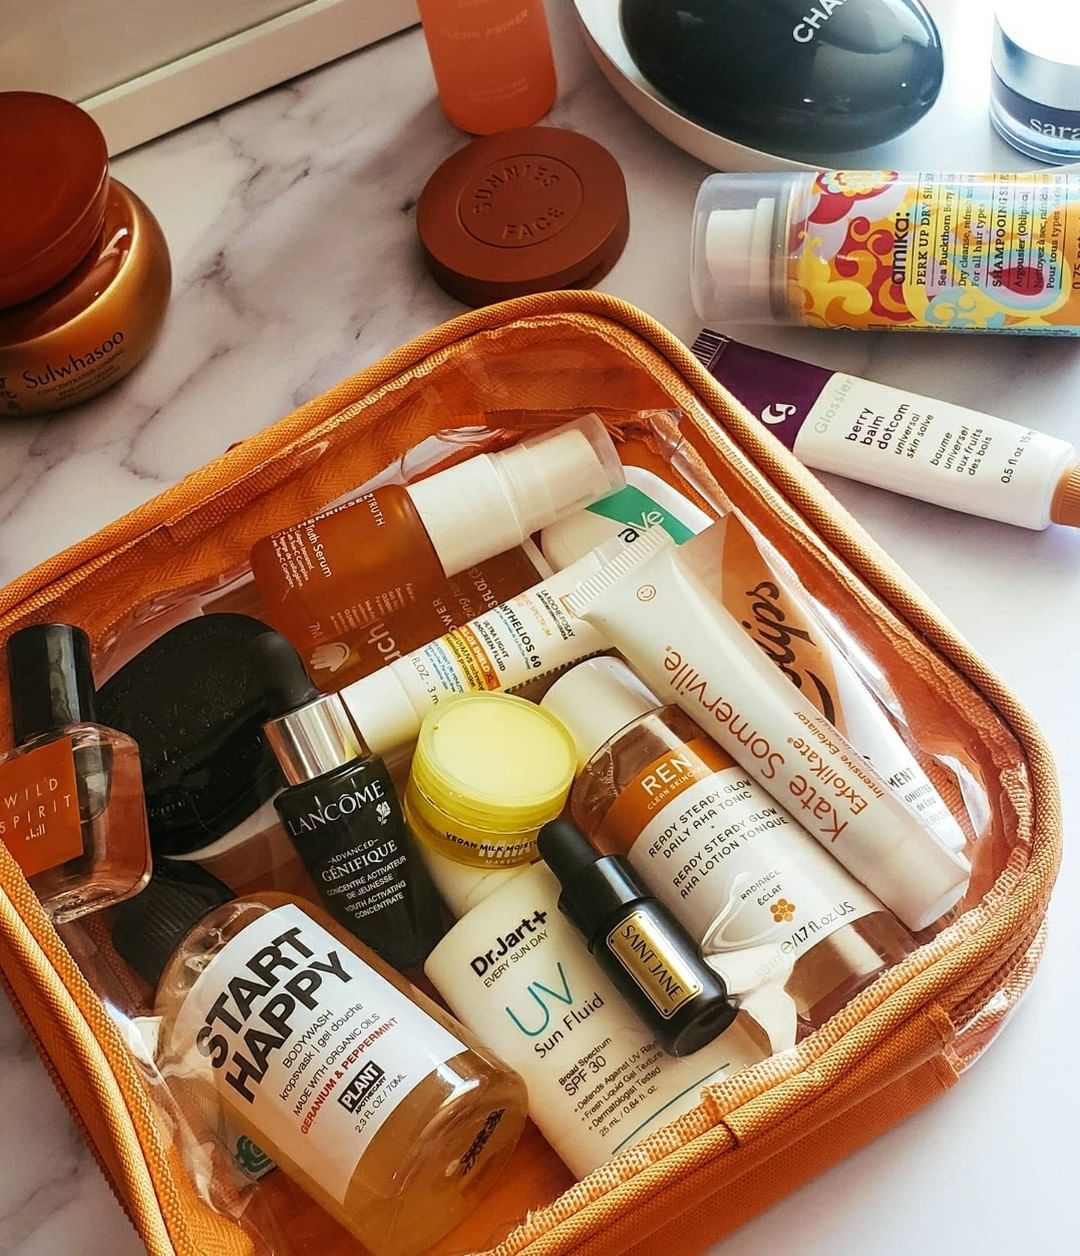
column 899, row 1044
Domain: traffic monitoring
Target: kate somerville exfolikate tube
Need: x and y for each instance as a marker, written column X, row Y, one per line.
column 766, row 598
column 894, row 439
column 874, row 250
column 653, row 603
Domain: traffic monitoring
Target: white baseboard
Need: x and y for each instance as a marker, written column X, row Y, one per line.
column 235, row 68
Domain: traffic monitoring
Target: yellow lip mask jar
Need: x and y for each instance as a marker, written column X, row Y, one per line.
column 489, row 770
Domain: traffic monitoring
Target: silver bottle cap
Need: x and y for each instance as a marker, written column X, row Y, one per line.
column 314, row 739
column 1026, row 55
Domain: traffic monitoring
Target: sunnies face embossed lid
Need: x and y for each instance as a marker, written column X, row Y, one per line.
column 523, row 211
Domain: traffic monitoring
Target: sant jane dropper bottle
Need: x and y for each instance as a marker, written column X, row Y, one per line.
column 643, row 949
column 371, row 1098
column 71, row 798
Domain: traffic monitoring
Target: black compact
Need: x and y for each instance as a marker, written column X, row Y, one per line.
column 795, row 77
column 195, row 701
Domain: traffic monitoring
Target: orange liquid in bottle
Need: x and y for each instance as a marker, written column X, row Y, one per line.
column 345, row 568
column 450, row 603
column 492, row 61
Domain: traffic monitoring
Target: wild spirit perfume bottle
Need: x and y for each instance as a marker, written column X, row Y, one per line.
column 71, row 797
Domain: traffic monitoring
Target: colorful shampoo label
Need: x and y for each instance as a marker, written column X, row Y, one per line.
column 881, row 251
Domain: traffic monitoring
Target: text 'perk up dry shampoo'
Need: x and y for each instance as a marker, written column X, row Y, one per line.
column 874, row 250
column 372, row 1099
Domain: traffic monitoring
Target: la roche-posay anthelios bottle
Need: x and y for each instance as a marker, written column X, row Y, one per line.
column 375, row 1101
column 343, row 816
column 766, row 902
column 72, row 811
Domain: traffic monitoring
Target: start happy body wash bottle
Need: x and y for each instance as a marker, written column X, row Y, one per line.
column 383, row 1108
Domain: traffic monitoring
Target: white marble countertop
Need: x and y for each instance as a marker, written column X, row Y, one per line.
column 290, row 219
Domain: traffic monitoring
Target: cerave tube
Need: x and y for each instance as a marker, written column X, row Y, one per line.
column 651, row 604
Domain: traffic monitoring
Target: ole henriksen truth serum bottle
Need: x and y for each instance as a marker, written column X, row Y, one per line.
column 765, row 900
column 345, row 568
column 342, row 814
column 375, row 1101
column 71, row 798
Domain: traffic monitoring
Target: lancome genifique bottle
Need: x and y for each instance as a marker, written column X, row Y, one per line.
column 376, row 1102
column 344, row 818
column 354, row 564
column 737, row 870
column 71, row 798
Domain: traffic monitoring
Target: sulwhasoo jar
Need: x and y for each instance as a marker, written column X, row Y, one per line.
column 84, row 268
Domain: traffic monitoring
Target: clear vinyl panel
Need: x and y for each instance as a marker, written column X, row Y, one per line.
column 211, row 784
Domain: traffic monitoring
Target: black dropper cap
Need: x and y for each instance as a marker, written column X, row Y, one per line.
column 311, row 733
column 288, row 686
column 594, row 886
column 640, row 944
column 51, row 679
column 147, row 929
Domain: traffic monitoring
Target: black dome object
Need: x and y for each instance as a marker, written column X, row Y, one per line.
column 796, row 77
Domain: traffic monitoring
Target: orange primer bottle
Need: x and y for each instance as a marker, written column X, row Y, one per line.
column 492, row 61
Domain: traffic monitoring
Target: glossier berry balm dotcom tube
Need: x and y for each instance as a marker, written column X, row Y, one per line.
column 893, row 438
